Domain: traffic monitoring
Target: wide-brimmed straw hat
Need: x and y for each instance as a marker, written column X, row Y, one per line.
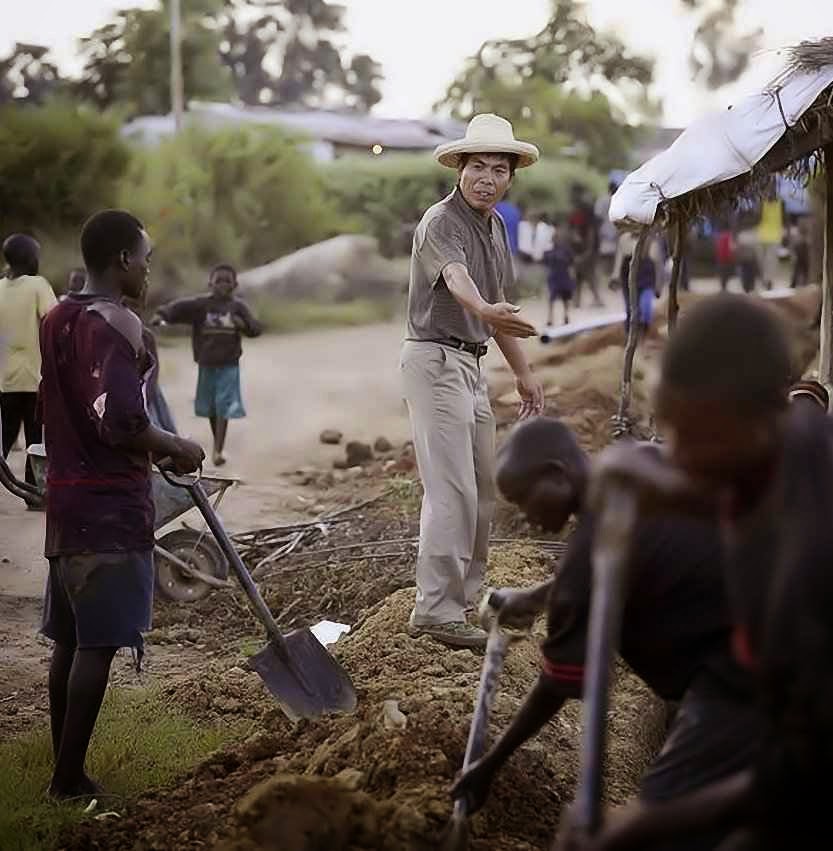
column 486, row 134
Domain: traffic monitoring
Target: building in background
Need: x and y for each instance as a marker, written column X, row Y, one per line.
column 330, row 134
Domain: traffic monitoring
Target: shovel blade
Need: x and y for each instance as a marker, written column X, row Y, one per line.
column 303, row 677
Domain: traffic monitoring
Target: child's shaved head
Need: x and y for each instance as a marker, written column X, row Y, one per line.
column 542, row 469
column 732, row 350
column 723, row 391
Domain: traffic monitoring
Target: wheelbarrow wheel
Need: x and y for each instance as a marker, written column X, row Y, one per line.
column 197, row 549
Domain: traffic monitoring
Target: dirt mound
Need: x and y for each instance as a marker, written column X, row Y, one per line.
column 374, row 779
column 291, row 813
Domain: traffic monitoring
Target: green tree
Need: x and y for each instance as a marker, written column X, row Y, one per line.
column 58, row 164
column 28, row 75
column 558, row 86
column 289, row 52
column 720, row 52
column 128, row 61
column 567, row 51
column 244, row 196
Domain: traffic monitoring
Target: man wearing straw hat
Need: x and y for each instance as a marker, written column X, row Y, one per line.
column 461, row 266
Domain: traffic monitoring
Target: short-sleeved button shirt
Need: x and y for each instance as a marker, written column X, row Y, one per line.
column 452, row 232
column 24, row 301
column 92, row 402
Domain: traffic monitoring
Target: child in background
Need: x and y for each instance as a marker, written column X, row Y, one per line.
column 25, row 298
column 747, row 257
column 724, row 250
column 646, row 282
column 561, row 284
column 75, row 280
column 800, row 247
column 217, row 320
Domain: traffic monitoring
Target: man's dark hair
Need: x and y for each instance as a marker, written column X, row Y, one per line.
column 512, row 159
column 730, row 349
column 223, row 267
column 22, row 253
column 105, row 235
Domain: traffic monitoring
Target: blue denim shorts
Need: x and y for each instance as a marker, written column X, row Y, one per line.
column 218, row 393
column 99, row 600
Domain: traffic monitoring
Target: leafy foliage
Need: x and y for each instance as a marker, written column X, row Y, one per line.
column 387, row 196
column 58, row 163
column 566, row 51
column 128, row 61
column 27, row 74
column 287, row 52
column 244, row 196
column 720, row 52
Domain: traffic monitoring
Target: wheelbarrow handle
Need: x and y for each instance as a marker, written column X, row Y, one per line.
column 203, row 504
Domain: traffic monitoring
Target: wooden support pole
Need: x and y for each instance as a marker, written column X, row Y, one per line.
column 676, row 269
column 826, row 330
column 633, row 325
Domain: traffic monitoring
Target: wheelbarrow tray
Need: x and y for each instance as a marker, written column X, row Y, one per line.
column 170, row 502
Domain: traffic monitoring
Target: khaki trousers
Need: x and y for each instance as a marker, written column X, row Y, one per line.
column 454, row 439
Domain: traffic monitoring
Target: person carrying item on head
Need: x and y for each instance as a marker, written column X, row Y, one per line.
column 561, row 282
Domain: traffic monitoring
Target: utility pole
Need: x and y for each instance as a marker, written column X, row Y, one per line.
column 177, row 95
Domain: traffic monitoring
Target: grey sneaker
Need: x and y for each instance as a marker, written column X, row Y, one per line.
column 455, row 634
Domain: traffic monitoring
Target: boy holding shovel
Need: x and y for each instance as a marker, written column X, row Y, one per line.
column 771, row 468
column 99, row 508
column 675, row 627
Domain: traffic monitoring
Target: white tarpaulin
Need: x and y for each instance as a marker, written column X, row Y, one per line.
column 717, row 147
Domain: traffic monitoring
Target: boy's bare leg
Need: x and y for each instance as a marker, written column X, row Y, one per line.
column 566, row 311
column 59, row 670
column 550, row 313
column 220, row 430
column 84, row 694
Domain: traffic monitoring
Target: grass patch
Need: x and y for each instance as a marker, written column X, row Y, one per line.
column 139, row 744
column 285, row 317
column 250, row 645
column 406, row 493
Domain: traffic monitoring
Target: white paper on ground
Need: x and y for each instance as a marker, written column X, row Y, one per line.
column 328, row 632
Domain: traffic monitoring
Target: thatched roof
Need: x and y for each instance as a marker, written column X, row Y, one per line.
column 798, row 152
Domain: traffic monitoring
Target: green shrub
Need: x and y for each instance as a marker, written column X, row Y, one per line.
column 245, row 196
column 58, row 164
column 386, row 196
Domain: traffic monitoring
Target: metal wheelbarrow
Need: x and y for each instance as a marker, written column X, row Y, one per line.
column 189, row 563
